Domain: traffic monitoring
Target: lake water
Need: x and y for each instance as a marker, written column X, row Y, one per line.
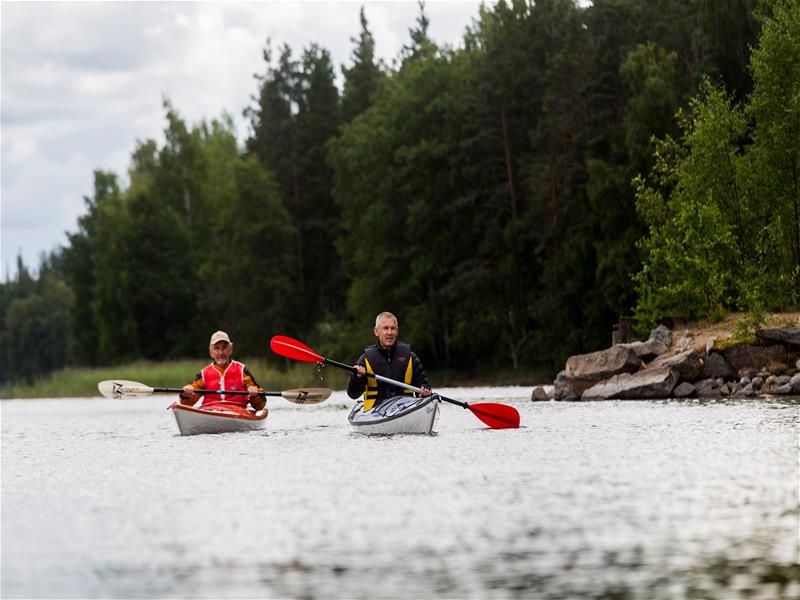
column 642, row 500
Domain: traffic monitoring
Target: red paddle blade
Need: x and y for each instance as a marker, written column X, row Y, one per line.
column 496, row 416
column 286, row 346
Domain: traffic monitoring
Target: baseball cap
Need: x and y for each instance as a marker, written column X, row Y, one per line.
column 219, row 336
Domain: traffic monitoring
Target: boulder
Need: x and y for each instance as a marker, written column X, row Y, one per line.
column 662, row 334
column 707, row 388
column 780, row 335
column 683, row 390
column 647, row 350
column 688, row 364
column 773, row 382
column 539, row 394
column 563, row 388
column 746, row 391
column 716, row 366
column 758, row 357
column 794, row 383
column 584, row 370
column 783, row 390
column 650, row 383
column 657, row 344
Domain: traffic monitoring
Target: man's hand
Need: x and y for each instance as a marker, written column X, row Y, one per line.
column 424, row 391
column 252, row 390
column 360, row 370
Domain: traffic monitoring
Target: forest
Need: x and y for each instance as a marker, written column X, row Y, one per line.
column 509, row 199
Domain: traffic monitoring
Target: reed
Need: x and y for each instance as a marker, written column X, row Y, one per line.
column 82, row 382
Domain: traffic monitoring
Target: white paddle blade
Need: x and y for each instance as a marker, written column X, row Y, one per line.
column 120, row 388
column 307, row 395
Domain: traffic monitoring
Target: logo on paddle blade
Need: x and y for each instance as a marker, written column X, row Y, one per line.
column 304, row 396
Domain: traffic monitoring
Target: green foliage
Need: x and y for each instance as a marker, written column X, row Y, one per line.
column 34, row 331
column 297, row 115
column 363, row 79
column 722, row 204
column 489, row 195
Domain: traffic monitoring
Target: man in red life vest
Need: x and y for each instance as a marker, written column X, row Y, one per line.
column 224, row 374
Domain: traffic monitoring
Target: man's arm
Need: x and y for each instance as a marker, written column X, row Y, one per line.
column 188, row 397
column 258, row 402
column 420, row 378
column 357, row 383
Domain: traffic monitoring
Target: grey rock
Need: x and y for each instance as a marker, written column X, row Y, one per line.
column 657, row 344
column 706, row 388
column 794, row 382
column 716, row 366
column 797, row 365
column 648, row 350
column 753, row 357
column 780, row 335
column 744, row 380
column 757, row 383
column 781, row 380
column 650, row 383
column 539, row 394
column 584, row 370
column 783, row 390
column 683, row 390
column 688, row 364
column 745, row 391
column 662, row 334
column 563, row 389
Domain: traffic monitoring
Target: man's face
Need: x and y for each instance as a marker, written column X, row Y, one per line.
column 221, row 353
column 386, row 331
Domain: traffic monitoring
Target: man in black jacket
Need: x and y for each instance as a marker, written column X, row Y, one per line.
column 391, row 359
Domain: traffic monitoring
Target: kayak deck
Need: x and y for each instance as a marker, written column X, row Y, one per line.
column 399, row 414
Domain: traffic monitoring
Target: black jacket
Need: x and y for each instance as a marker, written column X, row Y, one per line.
column 392, row 363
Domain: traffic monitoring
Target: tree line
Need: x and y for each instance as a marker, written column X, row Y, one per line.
column 509, row 199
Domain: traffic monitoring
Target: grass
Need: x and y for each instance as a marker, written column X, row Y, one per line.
column 82, row 382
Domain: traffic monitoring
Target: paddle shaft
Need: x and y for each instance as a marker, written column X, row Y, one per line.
column 352, row 369
column 220, row 392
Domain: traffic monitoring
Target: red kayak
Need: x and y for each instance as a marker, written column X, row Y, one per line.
column 217, row 417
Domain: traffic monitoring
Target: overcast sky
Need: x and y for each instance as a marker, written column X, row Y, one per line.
column 83, row 81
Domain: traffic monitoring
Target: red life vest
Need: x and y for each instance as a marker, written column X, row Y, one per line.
column 232, row 380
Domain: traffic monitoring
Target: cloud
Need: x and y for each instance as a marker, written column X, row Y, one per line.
column 82, row 82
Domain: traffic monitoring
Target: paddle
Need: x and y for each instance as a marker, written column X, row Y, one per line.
column 496, row 416
column 120, row 388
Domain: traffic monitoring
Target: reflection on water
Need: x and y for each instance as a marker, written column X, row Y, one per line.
column 640, row 500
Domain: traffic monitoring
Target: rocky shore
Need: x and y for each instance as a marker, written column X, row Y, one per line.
column 702, row 361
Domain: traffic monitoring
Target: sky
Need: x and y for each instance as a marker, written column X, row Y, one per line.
column 83, row 82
